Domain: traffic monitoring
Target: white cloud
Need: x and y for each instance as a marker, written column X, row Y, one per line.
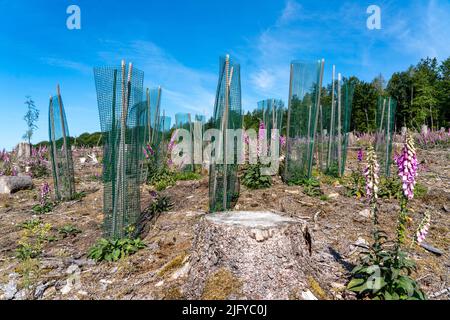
column 291, row 12
column 68, row 64
column 184, row 89
column 420, row 29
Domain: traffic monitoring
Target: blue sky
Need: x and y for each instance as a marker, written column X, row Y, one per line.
column 178, row 43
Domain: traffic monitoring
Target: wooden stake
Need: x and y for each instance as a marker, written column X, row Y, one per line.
column 318, row 97
column 333, row 106
column 388, row 138
column 339, row 124
column 224, row 128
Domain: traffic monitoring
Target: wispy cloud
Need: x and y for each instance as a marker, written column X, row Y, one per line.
column 185, row 89
column 68, row 64
column 422, row 29
column 291, row 12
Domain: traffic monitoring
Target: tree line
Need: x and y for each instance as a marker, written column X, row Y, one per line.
column 422, row 93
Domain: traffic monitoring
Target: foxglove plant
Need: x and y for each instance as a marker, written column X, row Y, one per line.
column 7, row 167
column 282, row 141
column 385, row 273
column 422, row 230
column 38, row 164
column 407, row 171
column 360, row 155
column 372, row 184
column 44, row 194
column 371, row 175
column 148, row 151
column 252, row 177
column 45, row 205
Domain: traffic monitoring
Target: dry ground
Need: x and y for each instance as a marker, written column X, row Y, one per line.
column 157, row 272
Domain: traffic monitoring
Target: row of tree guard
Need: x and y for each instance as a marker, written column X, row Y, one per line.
column 316, row 125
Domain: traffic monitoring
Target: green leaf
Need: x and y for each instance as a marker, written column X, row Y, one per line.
column 357, row 285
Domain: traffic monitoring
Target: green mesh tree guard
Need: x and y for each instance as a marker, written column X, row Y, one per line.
column 183, row 121
column 119, row 97
column 385, row 132
column 271, row 113
column 223, row 180
column 161, row 140
column 153, row 102
column 151, row 132
column 304, row 100
column 333, row 127
column 60, row 150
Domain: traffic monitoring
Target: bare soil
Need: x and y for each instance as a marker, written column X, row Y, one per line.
column 158, row 271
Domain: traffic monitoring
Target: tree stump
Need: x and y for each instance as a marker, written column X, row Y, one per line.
column 267, row 256
column 23, row 150
column 13, row 184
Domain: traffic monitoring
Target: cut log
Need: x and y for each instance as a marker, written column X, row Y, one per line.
column 10, row 185
column 267, row 254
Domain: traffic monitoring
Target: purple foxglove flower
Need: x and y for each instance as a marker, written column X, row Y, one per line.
column 153, row 193
column 150, row 150
column 283, row 141
column 407, row 167
column 360, row 155
column 45, row 191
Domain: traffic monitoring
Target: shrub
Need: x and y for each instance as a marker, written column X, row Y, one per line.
column 114, row 250
column 68, row 230
column 253, row 179
column 38, row 162
column 385, row 275
column 34, row 236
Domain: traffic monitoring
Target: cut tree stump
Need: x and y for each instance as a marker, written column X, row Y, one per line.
column 267, row 254
column 23, row 150
column 9, row 184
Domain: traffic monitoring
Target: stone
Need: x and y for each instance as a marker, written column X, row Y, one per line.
column 182, row 272
column 9, row 184
column 41, row 288
column 72, row 269
column 365, row 213
column 9, row 289
column 333, row 195
column 308, row 295
column 358, row 246
column 105, row 283
column 93, row 158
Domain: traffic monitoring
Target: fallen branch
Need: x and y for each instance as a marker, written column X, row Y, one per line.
column 431, row 249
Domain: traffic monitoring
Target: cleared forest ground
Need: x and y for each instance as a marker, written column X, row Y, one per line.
column 159, row 271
